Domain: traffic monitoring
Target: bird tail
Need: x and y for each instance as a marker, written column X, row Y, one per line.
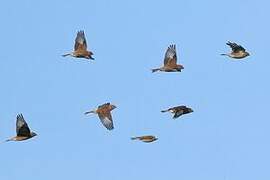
column 88, row 112
column 164, row 110
column 154, row 70
column 11, row 139
column 68, row 54
column 134, row 138
column 224, row 54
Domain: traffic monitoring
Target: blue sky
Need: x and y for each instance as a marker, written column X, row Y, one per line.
column 227, row 135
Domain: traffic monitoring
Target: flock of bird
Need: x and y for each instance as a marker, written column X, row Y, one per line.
column 103, row 111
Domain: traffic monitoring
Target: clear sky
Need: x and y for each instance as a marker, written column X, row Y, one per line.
column 227, row 135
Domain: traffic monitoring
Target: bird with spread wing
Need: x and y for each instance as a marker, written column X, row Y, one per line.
column 22, row 130
column 238, row 52
column 178, row 111
column 104, row 113
column 80, row 48
column 170, row 61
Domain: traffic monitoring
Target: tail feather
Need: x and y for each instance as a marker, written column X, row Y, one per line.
column 88, row 112
column 11, row 139
column 224, row 54
column 165, row 110
column 64, row 55
column 134, row 138
column 154, row 70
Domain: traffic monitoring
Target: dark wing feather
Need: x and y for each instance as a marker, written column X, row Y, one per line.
column 178, row 113
column 180, row 107
column 235, row 47
column 22, row 128
column 104, row 105
column 106, row 119
column 80, row 41
column 170, row 55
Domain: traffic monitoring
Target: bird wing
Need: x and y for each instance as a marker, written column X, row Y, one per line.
column 106, row 119
column 105, row 105
column 235, row 47
column 179, row 107
column 22, row 128
column 80, row 41
column 178, row 113
column 170, row 56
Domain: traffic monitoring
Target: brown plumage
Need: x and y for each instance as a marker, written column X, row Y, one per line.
column 80, row 47
column 104, row 114
column 146, row 139
column 238, row 52
column 22, row 130
column 170, row 61
column 178, row 111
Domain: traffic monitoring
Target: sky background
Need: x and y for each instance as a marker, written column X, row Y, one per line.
column 227, row 135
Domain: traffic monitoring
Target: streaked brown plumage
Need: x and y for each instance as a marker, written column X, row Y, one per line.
column 22, row 130
column 170, row 61
column 80, row 47
column 146, row 139
column 104, row 114
column 178, row 111
column 238, row 52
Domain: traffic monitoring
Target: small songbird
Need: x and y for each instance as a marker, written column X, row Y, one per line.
column 238, row 52
column 170, row 61
column 178, row 111
column 104, row 114
column 22, row 130
column 80, row 48
column 146, row 139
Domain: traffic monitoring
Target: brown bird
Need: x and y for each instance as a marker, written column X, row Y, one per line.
column 170, row 61
column 146, row 139
column 238, row 52
column 104, row 114
column 22, row 130
column 80, row 48
column 178, row 111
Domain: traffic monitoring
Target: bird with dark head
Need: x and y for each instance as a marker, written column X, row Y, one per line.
column 104, row 113
column 80, row 48
column 170, row 61
column 22, row 130
column 146, row 139
column 178, row 111
column 238, row 52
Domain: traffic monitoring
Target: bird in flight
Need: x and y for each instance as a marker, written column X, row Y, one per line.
column 170, row 61
column 22, row 130
column 104, row 114
column 80, row 48
column 146, row 139
column 238, row 52
column 178, row 111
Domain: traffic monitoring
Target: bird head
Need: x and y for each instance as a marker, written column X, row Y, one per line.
column 190, row 110
column 113, row 106
column 33, row 134
column 89, row 55
column 180, row 67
